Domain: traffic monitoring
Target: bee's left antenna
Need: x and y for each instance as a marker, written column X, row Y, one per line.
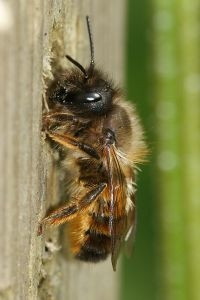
column 78, row 65
column 91, row 44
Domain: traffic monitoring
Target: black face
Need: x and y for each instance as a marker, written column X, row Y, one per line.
column 83, row 96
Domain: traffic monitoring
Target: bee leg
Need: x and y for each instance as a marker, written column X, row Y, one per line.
column 72, row 143
column 59, row 118
column 68, row 212
column 56, row 119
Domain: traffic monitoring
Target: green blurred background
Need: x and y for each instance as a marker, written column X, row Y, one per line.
column 163, row 79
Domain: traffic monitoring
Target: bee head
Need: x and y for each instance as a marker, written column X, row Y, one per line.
column 83, row 91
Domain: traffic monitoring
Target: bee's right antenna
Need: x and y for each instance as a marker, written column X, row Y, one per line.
column 91, row 44
column 76, row 63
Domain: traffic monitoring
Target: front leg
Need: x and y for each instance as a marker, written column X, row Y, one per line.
column 69, row 211
column 72, row 127
column 62, row 119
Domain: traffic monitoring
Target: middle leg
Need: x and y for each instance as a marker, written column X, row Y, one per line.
column 72, row 143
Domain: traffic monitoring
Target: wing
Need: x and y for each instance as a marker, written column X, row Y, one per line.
column 122, row 216
column 131, row 226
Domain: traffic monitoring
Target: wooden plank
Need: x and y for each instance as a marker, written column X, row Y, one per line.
column 29, row 270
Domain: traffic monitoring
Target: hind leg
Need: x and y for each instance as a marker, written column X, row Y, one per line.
column 69, row 211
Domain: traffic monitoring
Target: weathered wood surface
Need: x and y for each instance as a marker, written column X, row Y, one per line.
column 28, row 269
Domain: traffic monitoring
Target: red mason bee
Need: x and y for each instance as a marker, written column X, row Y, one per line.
column 101, row 135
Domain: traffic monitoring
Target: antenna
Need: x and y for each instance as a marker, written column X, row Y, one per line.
column 91, row 44
column 76, row 63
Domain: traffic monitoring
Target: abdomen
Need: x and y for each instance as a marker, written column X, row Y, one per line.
column 90, row 237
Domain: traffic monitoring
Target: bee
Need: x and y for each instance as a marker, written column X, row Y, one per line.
column 100, row 133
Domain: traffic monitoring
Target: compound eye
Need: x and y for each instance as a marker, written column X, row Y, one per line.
column 92, row 97
column 87, row 97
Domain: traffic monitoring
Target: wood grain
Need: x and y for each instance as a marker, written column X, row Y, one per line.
column 32, row 267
